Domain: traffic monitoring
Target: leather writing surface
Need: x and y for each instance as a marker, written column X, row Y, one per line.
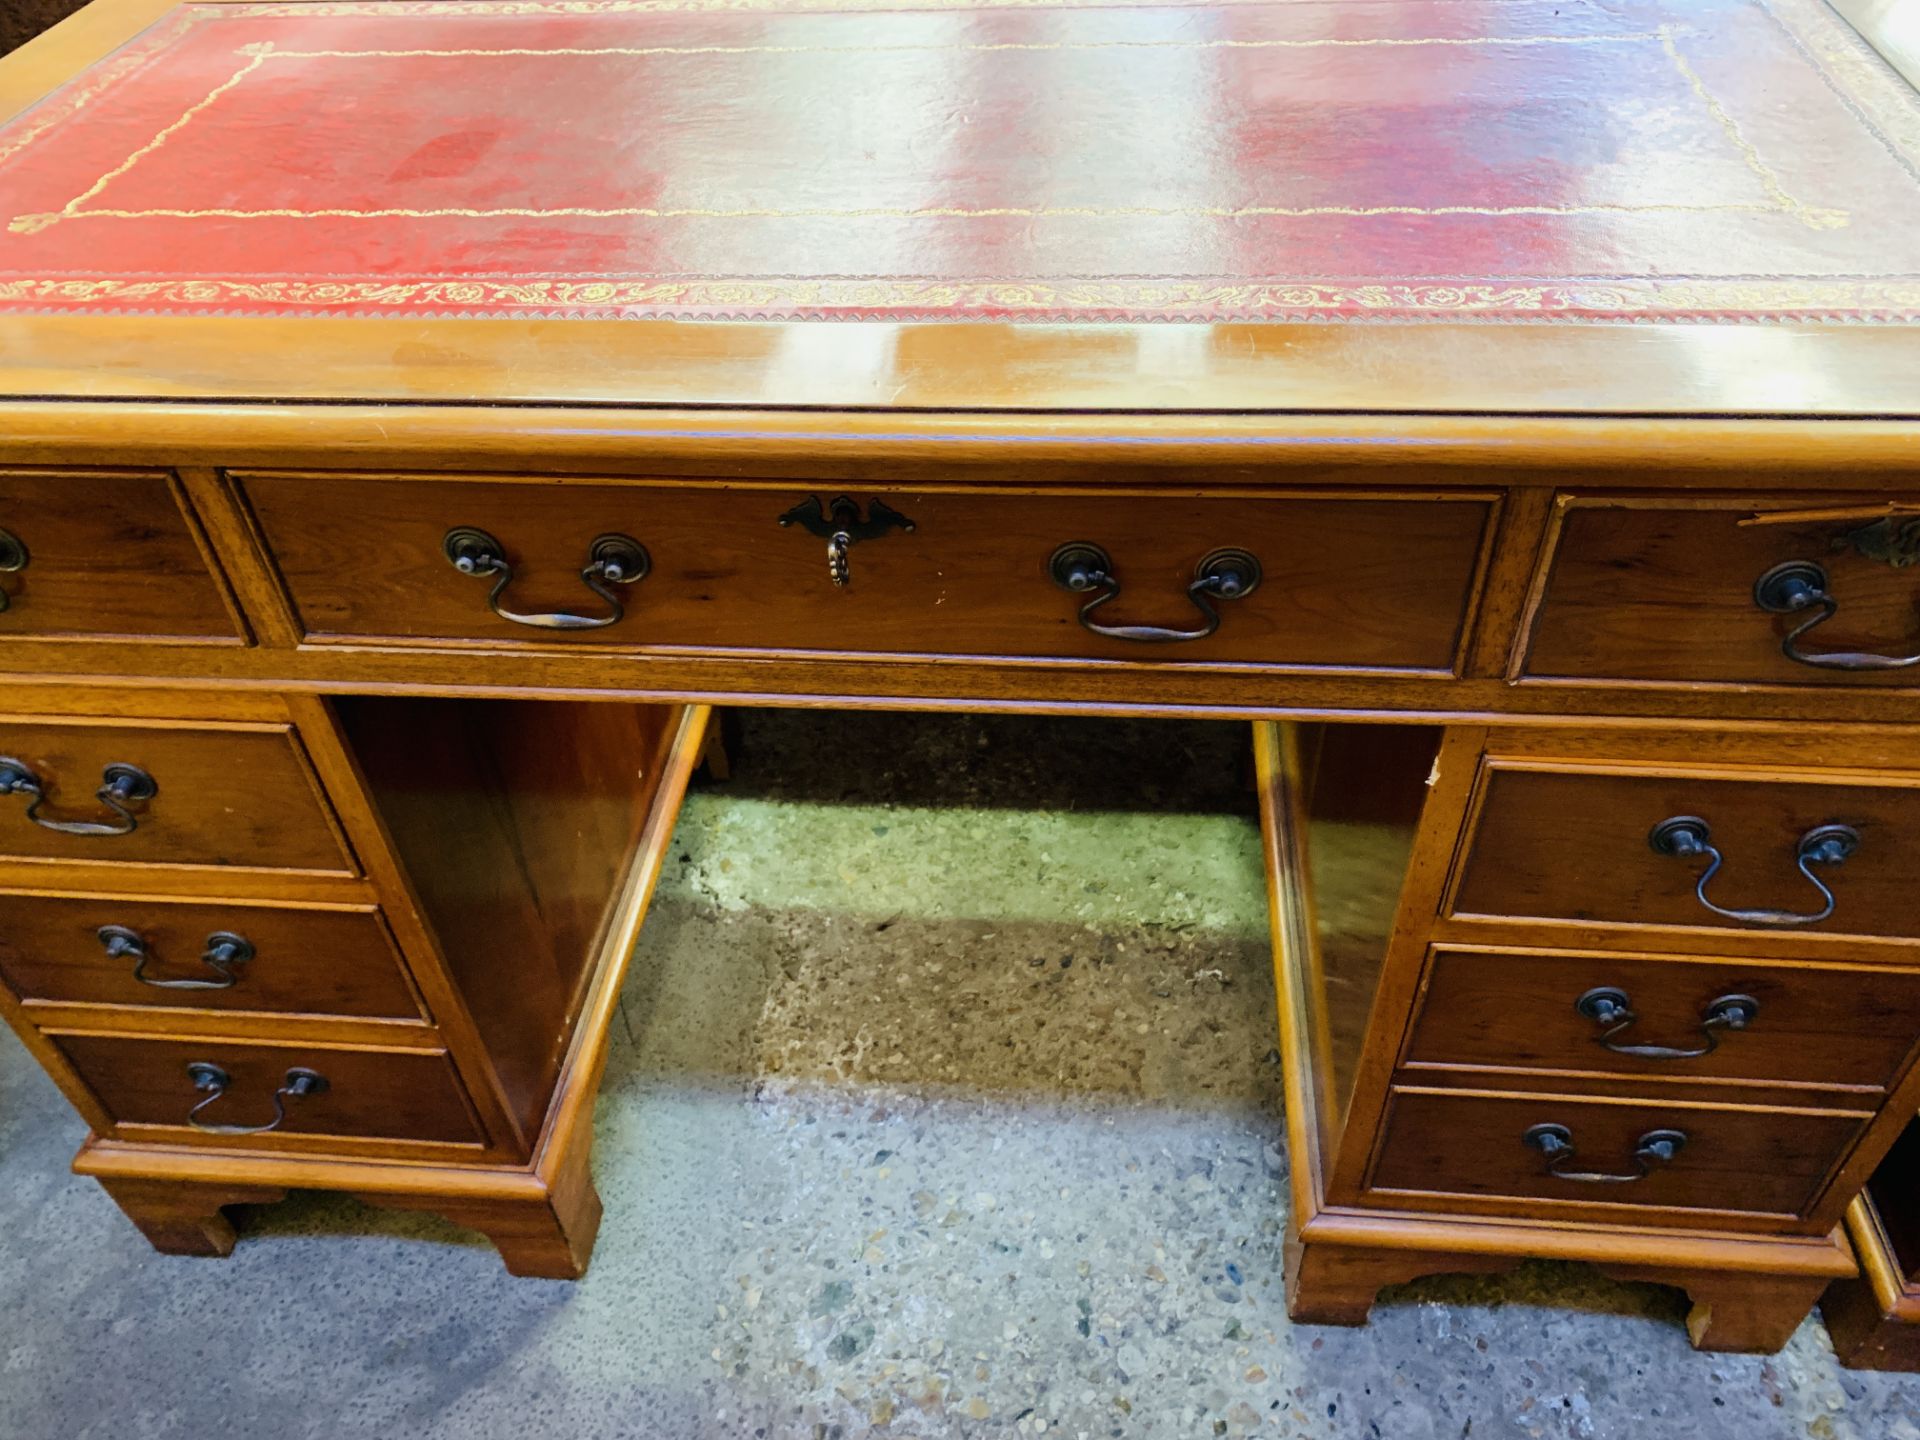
column 1337, row 159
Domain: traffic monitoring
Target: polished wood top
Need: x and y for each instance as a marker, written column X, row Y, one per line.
column 1387, row 205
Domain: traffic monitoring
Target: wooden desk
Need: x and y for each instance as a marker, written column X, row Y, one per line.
column 416, row 412
column 1874, row 1318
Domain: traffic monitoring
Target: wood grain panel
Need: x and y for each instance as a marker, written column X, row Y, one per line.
column 1572, row 845
column 321, row 962
column 227, row 796
column 371, row 1094
column 1639, row 589
column 1734, row 1160
column 108, row 557
column 515, row 822
column 1350, row 582
column 1875, row 1318
column 1815, row 1025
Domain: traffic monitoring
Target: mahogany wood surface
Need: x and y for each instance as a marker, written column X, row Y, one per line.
column 1572, row 845
column 541, row 1210
column 394, row 1095
column 1735, row 1161
column 1875, row 1318
column 111, row 557
column 546, row 1238
column 515, row 822
column 1349, row 582
column 1803, row 215
column 186, row 1220
column 305, row 960
column 1750, row 1289
column 232, row 797
column 1643, row 588
column 1751, row 1314
column 1825, row 1026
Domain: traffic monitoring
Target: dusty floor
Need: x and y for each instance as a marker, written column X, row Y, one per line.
column 944, row 1105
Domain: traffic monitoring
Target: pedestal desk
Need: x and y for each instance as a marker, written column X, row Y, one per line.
column 417, row 411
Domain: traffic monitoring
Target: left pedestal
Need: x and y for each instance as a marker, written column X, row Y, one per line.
column 361, row 944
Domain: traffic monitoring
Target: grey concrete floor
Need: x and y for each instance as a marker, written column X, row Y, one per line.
column 943, row 1104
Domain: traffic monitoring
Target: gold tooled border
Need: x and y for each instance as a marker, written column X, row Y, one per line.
column 781, row 298
column 19, row 131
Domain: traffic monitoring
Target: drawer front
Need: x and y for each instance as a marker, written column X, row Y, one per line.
column 1667, row 592
column 217, row 955
column 1578, row 845
column 242, row 797
column 105, row 557
column 1633, row 1015
column 1769, row 1162
column 1380, row 583
column 369, row 1094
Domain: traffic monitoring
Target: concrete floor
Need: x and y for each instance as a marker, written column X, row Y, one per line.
column 944, row 1104
column 21, row 20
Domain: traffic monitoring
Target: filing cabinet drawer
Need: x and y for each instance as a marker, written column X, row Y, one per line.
column 218, row 955
column 367, row 1094
column 237, row 795
column 87, row 555
column 1665, row 1016
column 1666, row 589
column 1363, row 582
column 1576, row 844
column 1770, row 1162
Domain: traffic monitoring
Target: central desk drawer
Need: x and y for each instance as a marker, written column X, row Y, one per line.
column 1379, row 582
column 1770, row 1162
column 1665, row 1017
column 1626, row 847
column 164, row 794
column 206, row 955
column 366, row 1094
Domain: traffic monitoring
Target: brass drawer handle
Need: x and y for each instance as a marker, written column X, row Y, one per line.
column 1609, row 1008
column 1084, row 568
column 210, row 1078
column 1652, row 1150
column 225, row 952
column 1687, row 836
column 13, row 558
column 120, row 787
column 611, row 560
column 1801, row 585
column 840, row 525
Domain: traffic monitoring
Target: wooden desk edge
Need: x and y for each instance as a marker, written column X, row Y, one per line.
column 1648, row 450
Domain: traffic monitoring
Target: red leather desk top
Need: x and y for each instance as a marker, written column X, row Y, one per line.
column 1330, row 159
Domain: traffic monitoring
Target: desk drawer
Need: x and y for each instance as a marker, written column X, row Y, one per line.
column 1578, row 845
column 1665, row 590
column 1381, row 582
column 1770, row 1162
column 368, row 1094
column 1755, row 1022
column 218, row 955
column 88, row 556
column 242, row 796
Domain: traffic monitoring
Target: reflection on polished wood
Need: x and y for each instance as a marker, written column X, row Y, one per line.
column 1561, row 202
